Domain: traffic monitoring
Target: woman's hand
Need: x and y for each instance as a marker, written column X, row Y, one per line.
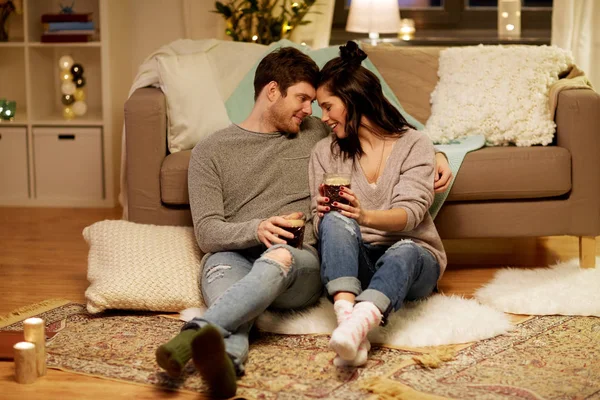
column 322, row 202
column 353, row 210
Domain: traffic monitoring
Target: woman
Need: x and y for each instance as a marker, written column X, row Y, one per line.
column 382, row 248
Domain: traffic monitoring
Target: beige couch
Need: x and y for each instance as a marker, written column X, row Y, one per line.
column 498, row 192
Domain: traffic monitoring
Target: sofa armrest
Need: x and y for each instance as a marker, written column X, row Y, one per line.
column 577, row 129
column 146, row 147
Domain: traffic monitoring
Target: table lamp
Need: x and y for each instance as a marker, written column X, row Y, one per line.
column 373, row 17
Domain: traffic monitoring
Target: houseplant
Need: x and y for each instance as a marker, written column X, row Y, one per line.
column 262, row 21
column 7, row 8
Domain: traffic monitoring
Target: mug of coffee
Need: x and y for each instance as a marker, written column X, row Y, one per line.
column 297, row 229
column 333, row 182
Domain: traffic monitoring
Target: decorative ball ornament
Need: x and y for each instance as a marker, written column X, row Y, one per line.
column 79, row 108
column 68, row 88
column 66, row 76
column 77, row 70
column 79, row 95
column 68, row 113
column 65, row 62
column 72, row 83
column 67, row 99
column 79, row 82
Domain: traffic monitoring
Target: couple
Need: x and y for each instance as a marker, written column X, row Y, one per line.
column 247, row 181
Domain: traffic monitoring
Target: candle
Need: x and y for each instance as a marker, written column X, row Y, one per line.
column 407, row 29
column 509, row 19
column 25, row 362
column 34, row 330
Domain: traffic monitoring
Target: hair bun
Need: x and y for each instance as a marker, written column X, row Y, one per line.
column 351, row 54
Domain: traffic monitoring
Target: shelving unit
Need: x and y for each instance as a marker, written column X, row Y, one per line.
column 29, row 74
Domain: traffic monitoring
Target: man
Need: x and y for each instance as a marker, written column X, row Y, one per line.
column 245, row 183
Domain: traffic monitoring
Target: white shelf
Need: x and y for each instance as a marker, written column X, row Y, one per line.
column 91, row 118
column 30, row 75
column 70, row 44
column 20, row 119
column 15, row 43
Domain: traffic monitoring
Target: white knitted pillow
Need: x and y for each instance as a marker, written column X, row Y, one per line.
column 495, row 91
column 141, row 267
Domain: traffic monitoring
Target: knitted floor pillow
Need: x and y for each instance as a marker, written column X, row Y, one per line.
column 142, row 267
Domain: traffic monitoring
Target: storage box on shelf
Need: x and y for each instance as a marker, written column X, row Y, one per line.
column 54, row 161
column 68, row 165
column 14, row 184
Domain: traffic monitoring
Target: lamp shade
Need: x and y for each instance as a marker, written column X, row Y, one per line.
column 380, row 16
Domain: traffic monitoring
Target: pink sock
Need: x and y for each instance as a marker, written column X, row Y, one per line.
column 345, row 340
column 343, row 311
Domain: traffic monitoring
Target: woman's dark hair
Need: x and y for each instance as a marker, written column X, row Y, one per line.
column 360, row 91
column 286, row 66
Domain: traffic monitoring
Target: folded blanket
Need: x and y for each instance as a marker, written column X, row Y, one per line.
column 573, row 79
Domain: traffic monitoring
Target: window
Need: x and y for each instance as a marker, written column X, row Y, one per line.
column 459, row 14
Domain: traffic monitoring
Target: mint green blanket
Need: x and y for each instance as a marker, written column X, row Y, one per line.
column 240, row 103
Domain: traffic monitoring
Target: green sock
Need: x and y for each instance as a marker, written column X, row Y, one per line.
column 213, row 363
column 173, row 356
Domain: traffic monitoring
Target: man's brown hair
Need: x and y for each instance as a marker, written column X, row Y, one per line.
column 286, row 66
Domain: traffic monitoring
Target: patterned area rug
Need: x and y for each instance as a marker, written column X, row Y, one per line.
column 551, row 357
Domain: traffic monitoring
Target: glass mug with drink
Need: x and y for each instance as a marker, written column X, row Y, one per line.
column 297, row 229
column 332, row 183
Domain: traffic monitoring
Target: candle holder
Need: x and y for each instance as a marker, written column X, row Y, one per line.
column 407, row 29
column 7, row 110
column 509, row 19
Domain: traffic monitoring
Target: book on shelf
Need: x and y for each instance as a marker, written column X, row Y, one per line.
column 80, row 32
column 66, row 38
column 48, row 18
column 67, row 26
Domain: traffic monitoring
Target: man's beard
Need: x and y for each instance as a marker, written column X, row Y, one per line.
column 283, row 121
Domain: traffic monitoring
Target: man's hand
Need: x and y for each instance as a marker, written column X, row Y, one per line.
column 443, row 173
column 270, row 232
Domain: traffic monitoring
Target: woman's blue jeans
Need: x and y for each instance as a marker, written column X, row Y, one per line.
column 383, row 275
column 238, row 286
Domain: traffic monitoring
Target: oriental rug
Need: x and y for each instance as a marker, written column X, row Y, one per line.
column 545, row 357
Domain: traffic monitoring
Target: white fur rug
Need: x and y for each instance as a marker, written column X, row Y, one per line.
column 563, row 289
column 437, row 320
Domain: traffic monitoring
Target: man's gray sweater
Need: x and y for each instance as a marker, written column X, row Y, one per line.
column 237, row 178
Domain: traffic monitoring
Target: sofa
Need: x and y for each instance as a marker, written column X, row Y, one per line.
column 499, row 191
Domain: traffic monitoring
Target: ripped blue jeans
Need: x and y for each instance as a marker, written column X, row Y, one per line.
column 383, row 275
column 238, row 286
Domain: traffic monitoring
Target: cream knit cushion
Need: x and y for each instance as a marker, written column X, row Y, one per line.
column 496, row 91
column 141, row 267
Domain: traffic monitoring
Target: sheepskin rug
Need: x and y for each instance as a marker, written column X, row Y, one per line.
column 561, row 289
column 437, row 320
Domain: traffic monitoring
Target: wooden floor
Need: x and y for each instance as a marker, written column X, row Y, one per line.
column 43, row 255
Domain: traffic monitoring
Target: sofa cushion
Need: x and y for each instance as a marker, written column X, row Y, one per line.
column 173, row 178
column 491, row 173
column 411, row 73
column 501, row 173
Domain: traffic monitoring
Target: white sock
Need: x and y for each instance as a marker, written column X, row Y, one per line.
column 347, row 337
column 343, row 310
column 361, row 356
